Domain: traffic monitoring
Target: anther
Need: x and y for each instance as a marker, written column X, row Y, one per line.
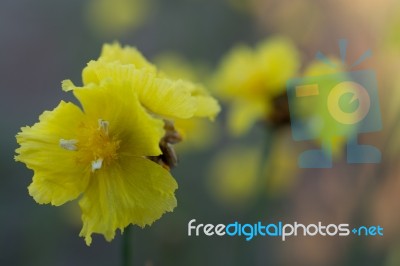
column 96, row 165
column 68, row 144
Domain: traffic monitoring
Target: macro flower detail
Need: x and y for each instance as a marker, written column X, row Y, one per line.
column 116, row 151
column 101, row 154
column 252, row 81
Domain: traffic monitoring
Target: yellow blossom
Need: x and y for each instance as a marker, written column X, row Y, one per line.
column 100, row 153
column 249, row 79
column 115, row 152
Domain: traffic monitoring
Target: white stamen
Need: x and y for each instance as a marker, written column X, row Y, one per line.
column 96, row 165
column 69, row 144
column 103, row 125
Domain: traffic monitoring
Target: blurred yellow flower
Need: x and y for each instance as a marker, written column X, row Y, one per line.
column 115, row 17
column 250, row 79
column 100, row 153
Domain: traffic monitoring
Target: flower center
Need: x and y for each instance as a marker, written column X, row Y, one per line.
column 94, row 145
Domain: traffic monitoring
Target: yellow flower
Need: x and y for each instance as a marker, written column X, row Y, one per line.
column 249, row 79
column 116, row 152
column 100, row 153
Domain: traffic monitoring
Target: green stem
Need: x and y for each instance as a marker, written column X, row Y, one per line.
column 127, row 246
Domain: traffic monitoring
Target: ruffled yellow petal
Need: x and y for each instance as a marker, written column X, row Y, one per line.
column 67, row 85
column 98, row 71
column 125, row 55
column 171, row 99
column 137, row 191
column 57, row 176
column 176, row 67
column 115, row 102
column 161, row 96
column 207, row 106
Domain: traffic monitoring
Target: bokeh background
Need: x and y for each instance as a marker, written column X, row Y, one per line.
column 43, row 42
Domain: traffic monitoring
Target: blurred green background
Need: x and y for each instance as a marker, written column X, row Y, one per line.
column 43, row 42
